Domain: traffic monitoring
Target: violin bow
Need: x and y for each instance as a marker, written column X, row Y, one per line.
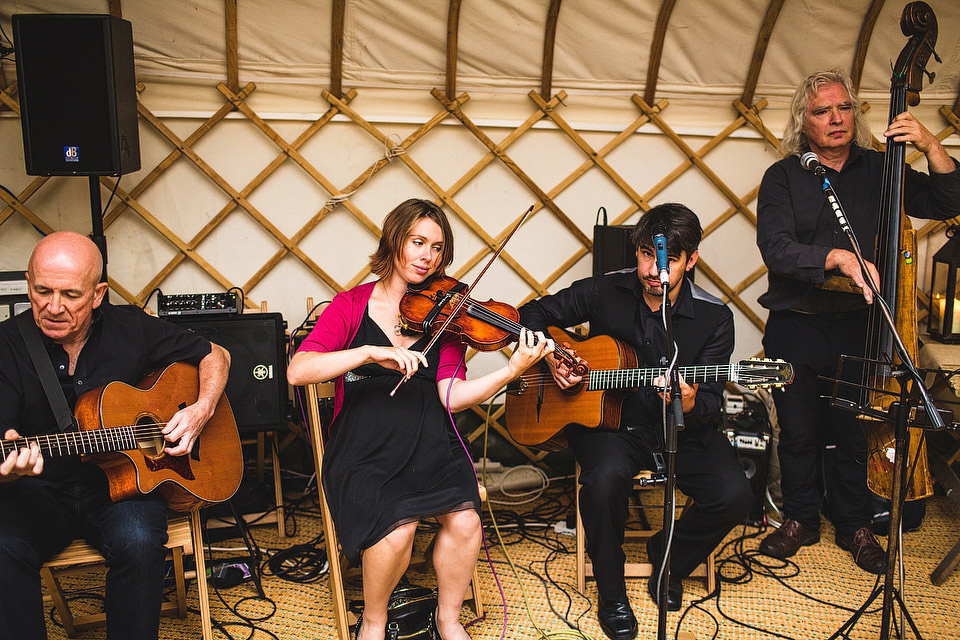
column 465, row 295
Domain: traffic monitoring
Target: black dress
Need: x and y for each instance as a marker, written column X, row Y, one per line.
column 392, row 460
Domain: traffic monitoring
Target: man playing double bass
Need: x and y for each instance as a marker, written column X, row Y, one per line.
column 802, row 244
column 45, row 504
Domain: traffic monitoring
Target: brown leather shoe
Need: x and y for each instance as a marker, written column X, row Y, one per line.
column 867, row 552
column 787, row 540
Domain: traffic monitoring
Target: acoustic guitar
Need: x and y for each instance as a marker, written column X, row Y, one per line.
column 537, row 410
column 120, row 430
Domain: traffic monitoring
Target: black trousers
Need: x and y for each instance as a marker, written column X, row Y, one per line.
column 609, row 460
column 813, row 344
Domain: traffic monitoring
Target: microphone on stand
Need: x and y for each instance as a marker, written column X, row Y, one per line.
column 810, row 162
column 663, row 263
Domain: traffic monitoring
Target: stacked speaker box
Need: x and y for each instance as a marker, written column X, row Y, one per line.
column 750, row 433
column 78, row 99
column 612, row 248
column 257, row 386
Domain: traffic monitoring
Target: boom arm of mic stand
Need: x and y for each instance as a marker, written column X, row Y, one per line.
column 904, row 356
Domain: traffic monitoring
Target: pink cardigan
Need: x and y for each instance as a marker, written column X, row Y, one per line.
column 338, row 325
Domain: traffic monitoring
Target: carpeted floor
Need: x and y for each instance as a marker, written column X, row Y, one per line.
column 808, row 599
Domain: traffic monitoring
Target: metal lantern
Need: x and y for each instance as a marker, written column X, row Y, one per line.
column 943, row 321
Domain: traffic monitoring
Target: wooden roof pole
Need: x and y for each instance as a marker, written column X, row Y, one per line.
column 760, row 51
column 863, row 42
column 453, row 31
column 656, row 50
column 233, row 51
column 338, row 10
column 549, row 42
column 115, row 8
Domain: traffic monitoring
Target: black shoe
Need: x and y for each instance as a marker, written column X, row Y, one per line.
column 867, row 552
column 787, row 540
column 674, row 594
column 675, row 590
column 616, row 619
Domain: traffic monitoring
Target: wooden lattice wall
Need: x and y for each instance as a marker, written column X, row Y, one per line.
column 348, row 207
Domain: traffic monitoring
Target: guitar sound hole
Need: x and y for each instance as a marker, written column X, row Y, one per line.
column 149, row 439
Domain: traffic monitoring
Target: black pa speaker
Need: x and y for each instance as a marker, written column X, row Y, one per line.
column 612, row 248
column 749, row 433
column 78, row 99
column 257, row 386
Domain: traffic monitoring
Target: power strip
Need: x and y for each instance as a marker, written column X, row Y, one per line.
column 194, row 304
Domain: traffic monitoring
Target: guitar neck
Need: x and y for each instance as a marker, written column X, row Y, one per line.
column 635, row 378
column 107, row 440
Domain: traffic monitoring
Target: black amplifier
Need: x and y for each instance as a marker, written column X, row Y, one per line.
column 194, row 304
column 749, row 432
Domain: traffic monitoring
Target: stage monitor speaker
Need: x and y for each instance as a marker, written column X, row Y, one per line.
column 257, row 386
column 749, row 432
column 78, row 98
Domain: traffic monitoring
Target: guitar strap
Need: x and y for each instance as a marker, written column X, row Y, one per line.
column 48, row 377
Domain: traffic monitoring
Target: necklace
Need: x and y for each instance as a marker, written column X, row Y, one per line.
column 397, row 327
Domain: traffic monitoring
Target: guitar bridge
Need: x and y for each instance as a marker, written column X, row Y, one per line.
column 517, row 387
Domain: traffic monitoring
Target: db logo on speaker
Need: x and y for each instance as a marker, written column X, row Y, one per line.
column 71, row 154
column 263, row 371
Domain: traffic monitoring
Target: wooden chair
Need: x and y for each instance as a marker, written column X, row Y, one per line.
column 185, row 538
column 337, row 563
column 707, row 570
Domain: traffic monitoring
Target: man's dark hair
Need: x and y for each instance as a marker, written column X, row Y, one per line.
column 676, row 222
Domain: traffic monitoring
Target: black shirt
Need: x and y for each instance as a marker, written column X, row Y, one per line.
column 796, row 227
column 613, row 304
column 125, row 344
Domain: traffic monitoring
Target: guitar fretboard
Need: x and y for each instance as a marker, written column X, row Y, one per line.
column 635, row 378
column 77, row 442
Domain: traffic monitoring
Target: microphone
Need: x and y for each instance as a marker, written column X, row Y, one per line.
column 663, row 264
column 810, row 162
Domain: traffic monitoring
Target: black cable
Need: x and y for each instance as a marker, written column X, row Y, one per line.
column 149, row 295
column 247, row 622
column 116, row 184
column 5, row 49
column 243, row 301
column 301, row 563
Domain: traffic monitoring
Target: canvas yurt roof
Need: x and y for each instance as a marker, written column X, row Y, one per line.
column 276, row 135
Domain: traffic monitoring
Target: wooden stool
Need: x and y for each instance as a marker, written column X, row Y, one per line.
column 185, row 538
column 707, row 570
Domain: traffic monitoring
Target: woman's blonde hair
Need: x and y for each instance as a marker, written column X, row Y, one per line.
column 794, row 139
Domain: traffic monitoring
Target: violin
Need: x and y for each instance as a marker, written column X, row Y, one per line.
column 484, row 326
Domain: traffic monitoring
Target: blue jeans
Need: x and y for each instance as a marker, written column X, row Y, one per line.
column 40, row 518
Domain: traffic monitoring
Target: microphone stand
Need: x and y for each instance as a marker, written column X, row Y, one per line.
column 672, row 424
column 890, row 592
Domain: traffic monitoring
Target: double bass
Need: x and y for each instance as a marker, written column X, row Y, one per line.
column 895, row 251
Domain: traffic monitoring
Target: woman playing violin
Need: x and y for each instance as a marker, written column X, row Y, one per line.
column 392, row 461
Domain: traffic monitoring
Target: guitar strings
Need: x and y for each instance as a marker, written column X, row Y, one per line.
column 692, row 372
column 87, row 437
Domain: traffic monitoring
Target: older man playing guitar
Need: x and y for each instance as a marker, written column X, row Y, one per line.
column 46, row 503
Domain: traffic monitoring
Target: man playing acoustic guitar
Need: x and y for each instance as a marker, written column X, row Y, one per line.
column 626, row 306
column 48, row 503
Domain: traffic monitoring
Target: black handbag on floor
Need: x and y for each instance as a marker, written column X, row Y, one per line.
column 411, row 608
